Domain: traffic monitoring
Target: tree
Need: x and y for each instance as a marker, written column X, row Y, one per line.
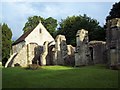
column 32, row 23
column 6, row 43
column 0, row 42
column 71, row 25
column 115, row 11
column 49, row 23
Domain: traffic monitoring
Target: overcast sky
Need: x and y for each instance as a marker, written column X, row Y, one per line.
column 15, row 14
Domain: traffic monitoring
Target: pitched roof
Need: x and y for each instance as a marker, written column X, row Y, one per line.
column 22, row 38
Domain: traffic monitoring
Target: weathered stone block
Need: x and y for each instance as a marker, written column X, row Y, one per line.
column 60, row 50
column 98, row 49
column 27, row 55
column 44, row 53
column 82, row 54
column 70, row 59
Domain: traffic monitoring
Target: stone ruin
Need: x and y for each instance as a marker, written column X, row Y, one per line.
column 82, row 54
column 58, row 54
column 98, row 52
column 63, row 53
column 29, row 54
column 44, row 53
column 60, row 50
column 85, row 52
column 113, row 42
column 70, row 59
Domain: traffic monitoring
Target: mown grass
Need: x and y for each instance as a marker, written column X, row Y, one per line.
column 60, row 77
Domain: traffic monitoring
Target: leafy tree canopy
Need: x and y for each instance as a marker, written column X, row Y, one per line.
column 115, row 11
column 71, row 25
column 32, row 23
column 49, row 23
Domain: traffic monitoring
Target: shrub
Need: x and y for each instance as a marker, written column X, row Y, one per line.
column 33, row 66
column 115, row 67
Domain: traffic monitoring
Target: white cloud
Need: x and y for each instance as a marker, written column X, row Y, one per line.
column 53, row 11
column 57, row 10
column 18, row 9
column 15, row 14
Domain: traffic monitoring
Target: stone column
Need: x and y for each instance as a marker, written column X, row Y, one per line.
column 82, row 54
column 60, row 49
column 113, row 42
column 44, row 53
column 70, row 59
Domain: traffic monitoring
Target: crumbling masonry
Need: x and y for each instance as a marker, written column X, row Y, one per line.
column 113, row 42
column 33, row 48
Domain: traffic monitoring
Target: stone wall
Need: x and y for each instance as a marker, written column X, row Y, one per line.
column 27, row 55
column 60, row 50
column 57, row 52
column 39, row 35
column 98, row 52
column 70, row 59
column 51, row 55
column 113, row 41
column 82, row 54
column 17, row 47
column 44, row 54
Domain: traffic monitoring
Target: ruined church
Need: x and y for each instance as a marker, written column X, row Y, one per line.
column 28, row 48
column 37, row 46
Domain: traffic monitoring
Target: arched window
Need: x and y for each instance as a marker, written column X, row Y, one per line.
column 40, row 31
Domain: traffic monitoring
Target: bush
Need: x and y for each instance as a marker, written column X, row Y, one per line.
column 115, row 67
column 33, row 66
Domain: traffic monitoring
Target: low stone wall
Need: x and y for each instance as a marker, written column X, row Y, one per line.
column 98, row 51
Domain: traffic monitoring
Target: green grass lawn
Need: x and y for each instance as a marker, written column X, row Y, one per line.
column 60, row 77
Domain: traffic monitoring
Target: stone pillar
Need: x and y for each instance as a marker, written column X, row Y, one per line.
column 70, row 49
column 113, row 42
column 44, row 53
column 60, row 50
column 82, row 54
column 70, row 59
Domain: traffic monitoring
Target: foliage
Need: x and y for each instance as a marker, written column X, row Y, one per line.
column 6, row 43
column 32, row 23
column 0, row 43
column 33, row 66
column 115, row 11
column 49, row 23
column 71, row 25
column 60, row 77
